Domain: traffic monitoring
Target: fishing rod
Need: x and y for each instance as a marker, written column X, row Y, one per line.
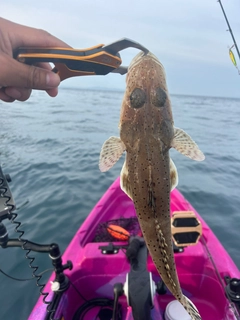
column 229, row 29
column 234, row 41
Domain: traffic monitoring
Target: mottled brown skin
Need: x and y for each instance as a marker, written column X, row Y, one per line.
column 147, row 132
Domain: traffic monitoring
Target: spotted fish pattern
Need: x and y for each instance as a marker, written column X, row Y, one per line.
column 148, row 175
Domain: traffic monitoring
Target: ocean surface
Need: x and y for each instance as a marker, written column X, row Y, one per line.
column 50, row 147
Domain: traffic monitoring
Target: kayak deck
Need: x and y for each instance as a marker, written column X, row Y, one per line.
column 201, row 268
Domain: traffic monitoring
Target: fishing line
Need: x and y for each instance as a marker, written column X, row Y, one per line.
column 78, row 291
column 27, row 279
column 231, row 54
column 220, row 279
column 229, row 28
column 22, row 205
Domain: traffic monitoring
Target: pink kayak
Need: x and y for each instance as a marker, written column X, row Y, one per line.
column 113, row 277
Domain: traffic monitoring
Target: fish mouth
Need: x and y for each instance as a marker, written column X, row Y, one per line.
column 144, row 56
column 137, row 58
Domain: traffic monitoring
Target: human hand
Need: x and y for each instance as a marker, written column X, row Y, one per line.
column 17, row 79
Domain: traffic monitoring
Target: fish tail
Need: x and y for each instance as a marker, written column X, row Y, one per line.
column 190, row 308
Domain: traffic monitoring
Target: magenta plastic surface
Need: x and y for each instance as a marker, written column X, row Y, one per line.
column 94, row 274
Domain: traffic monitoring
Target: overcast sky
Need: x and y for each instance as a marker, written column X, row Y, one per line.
column 188, row 36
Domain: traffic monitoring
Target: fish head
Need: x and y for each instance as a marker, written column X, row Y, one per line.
column 146, row 107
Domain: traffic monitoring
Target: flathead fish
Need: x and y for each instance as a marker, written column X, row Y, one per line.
column 148, row 175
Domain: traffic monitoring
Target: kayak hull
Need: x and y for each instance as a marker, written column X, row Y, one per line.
column 201, row 268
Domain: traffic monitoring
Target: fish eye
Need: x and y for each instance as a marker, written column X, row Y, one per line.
column 137, row 98
column 159, row 97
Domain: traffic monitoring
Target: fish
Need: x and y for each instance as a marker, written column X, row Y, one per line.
column 148, row 174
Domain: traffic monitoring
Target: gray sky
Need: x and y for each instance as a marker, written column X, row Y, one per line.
column 188, row 36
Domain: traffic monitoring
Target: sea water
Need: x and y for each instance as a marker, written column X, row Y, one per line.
column 51, row 147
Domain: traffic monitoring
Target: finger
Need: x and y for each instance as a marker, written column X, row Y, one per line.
column 25, row 36
column 21, row 94
column 44, row 65
column 52, row 92
column 5, row 97
column 17, row 74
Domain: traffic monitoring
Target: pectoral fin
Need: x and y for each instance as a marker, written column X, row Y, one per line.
column 173, row 175
column 112, row 150
column 124, row 181
column 183, row 143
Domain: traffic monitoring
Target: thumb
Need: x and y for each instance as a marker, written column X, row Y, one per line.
column 17, row 74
